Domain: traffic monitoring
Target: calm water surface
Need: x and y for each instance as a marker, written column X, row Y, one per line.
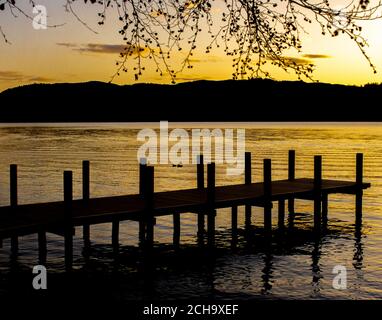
column 297, row 266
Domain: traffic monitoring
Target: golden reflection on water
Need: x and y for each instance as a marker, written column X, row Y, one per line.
column 43, row 152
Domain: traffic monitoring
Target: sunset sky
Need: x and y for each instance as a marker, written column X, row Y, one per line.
column 72, row 53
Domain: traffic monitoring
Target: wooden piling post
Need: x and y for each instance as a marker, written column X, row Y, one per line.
column 13, row 185
column 176, row 235
column 211, row 203
column 142, row 232
column 359, row 191
column 317, row 184
column 267, row 172
column 200, row 186
column 115, row 235
column 142, row 222
column 85, row 198
column 68, row 203
column 149, row 199
column 200, row 172
column 291, row 176
column 14, row 202
column 248, row 180
column 142, row 177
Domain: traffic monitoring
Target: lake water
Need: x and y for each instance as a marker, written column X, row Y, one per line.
column 297, row 266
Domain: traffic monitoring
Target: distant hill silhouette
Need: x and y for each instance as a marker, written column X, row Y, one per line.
column 246, row 100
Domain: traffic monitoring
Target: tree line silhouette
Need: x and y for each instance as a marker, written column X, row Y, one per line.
column 241, row 100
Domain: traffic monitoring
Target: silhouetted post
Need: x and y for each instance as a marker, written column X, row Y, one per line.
column 200, row 186
column 142, row 222
column 211, row 203
column 267, row 172
column 149, row 199
column 142, row 179
column 13, row 185
column 68, row 206
column 176, row 236
column 291, row 176
column 248, row 180
column 86, row 197
column 281, row 213
column 359, row 191
column 317, row 184
column 13, row 202
column 115, row 235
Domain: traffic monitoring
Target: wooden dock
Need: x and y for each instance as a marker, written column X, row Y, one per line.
column 60, row 217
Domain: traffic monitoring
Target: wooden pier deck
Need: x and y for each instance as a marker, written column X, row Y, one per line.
column 32, row 218
column 60, row 217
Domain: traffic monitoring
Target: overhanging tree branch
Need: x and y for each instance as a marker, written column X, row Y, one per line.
column 253, row 33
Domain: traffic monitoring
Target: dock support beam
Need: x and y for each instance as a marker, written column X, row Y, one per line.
column 211, row 203
column 291, row 177
column 115, row 236
column 317, row 184
column 68, row 199
column 248, row 180
column 200, row 186
column 14, row 202
column 234, row 220
column 149, row 199
column 85, row 198
column 142, row 233
column 267, row 172
column 359, row 192
column 142, row 181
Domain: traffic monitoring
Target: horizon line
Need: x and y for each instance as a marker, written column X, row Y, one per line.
column 191, row 81
column 193, row 124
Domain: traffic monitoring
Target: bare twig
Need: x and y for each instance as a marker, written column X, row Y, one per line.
column 254, row 33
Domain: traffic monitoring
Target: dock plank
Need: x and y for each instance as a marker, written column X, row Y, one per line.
column 30, row 218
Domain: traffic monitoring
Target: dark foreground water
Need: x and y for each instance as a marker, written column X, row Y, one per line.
column 294, row 266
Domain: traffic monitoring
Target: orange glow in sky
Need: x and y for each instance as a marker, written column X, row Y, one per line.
column 62, row 54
